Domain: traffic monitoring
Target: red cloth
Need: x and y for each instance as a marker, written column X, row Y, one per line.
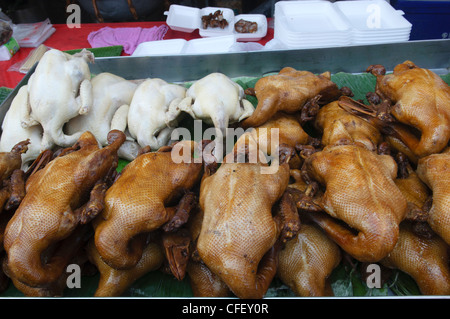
column 65, row 38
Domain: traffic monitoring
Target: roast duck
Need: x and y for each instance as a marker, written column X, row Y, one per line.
column 60, row 198
column 317, row 176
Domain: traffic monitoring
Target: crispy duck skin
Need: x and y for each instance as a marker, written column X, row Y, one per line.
column 420, row 99
column 290, row 132
column 289, row 91
column 434, row 171
column 142, row 199
column 204, row 283
column 57, row 200
column 240, row 239
column 426, row 260
column 339, row 126
column 307, row 261
column 114, row 282
column 360, row 192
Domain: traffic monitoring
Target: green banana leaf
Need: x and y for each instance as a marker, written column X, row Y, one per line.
column 345, row 281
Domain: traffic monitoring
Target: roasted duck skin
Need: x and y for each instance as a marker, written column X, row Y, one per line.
column 56, row 202
column 307, row 261
column 434, row 171
column 360, row 192
column 426, row 260
column 142, row 199
column 240, row 239
column 290, row 132
column 421, row 100
column 289, row 91
column 114, row 282
column 339, row 126
column 204, row 283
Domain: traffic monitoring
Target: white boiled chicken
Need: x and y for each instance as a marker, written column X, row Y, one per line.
column 59, row 90
column 112, row 96
column 13, row 132
column 153, row 114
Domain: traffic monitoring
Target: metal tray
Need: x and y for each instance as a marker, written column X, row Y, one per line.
column 430, row 54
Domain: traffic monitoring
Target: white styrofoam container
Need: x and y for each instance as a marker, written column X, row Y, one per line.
column 385, row 17
column 188, row 19
column 310, row 17
column 228, row 15
column 160, row 47
column 183, row 18
column 260, row 33
column 218, row 44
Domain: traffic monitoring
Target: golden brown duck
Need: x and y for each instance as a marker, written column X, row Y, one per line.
column 426, row 260
column 70, row 249
column 143, row 198
column 362, row 203
column 282, row 128
column 240, row 239
column 434, row 171
column 290, row 91
column 204, row 283
column 339, row 126
column 307, row 262
column 114, row 282
column 67, row 192
column 419, row 99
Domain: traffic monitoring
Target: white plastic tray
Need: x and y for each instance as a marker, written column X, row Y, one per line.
column 210, row 45
column 188, row 19
column 385, row 17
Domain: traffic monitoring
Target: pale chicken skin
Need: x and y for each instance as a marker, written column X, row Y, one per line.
column 426, row 260
column 111, row 97
column 239, row 238
column 306, row 262
column 338, row 127
column 217, row 100
column 420, row 99
column 359, row 191
column 434, row 171
column 153, row 115
column 65, row 193
column 13, row 132
column 143, row 199
column 59, row 90
column 289, row 91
